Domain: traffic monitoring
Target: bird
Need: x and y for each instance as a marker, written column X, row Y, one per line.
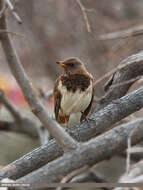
column 73, row 93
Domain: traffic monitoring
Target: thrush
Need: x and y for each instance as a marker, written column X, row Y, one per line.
column 73, row 93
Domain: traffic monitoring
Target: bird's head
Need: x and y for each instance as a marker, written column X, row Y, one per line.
column 72, row 65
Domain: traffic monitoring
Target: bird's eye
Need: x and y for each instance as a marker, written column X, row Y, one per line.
column 71, row 64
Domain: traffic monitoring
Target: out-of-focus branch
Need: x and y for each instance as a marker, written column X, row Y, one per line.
column 135, row 150
column 131, row 32
column 36, row 106
column 46, row 96
column 128, row 69
column 101, row 121
column 12, row 33
column 74, row 173
column 11, row 7
column 11, row 107
column 134, row 176
column 122, row 77
column 20, row 124
column 44, row 135
column 90, row 153
column 85, row 17
column 3, row 8
column 88, row 176
column 129, row 142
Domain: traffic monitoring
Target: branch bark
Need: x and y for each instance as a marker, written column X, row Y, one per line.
column 90, row 153
column 131, row 68
column 101, row 121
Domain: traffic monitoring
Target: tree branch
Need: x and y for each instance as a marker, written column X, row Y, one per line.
column 85, row 17
column 90, row 153
column 11, row 7
column 127, row 33
column 128, row 69
column 36, row 106
column 12, row 109
column 101, row 121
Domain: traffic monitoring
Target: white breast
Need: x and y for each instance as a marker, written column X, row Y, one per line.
column 74, row 103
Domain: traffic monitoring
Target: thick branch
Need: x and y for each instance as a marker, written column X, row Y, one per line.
column 131, row 68
column 102, row 120
column 38, row 109
column 90, row 153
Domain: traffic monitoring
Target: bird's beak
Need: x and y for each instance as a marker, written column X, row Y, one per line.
column 61, row 63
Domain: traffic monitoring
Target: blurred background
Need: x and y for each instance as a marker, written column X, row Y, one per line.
column 54, row 30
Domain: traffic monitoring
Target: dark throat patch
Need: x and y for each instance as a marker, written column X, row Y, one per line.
column 76, row 81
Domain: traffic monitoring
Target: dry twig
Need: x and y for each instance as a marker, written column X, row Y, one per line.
column 131, row 32
column 128, row 160
column 85, row 17
column 11, row 7
column 72, row 175
column 126, row 82
column 135, row 150
column 12, row 33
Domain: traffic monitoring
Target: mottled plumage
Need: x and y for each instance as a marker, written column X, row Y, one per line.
column 73, row 93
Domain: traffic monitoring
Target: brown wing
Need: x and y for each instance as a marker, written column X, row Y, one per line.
column 57, row 99
column 86, row 112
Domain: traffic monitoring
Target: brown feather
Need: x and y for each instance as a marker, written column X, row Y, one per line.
column 57, row 99
column 86, row 112
column 72, row 93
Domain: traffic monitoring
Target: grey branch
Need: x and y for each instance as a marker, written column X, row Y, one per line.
column 130, row 68
column 90, row 153
column 36, row 106
column 134, row 31
column 11, row 107
column 85, row 17
column 101, row 121
column 11, row 7
column 135, row 175
column 21, row 124
column 3, row 8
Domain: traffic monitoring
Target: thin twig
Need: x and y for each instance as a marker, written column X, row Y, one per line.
column 85, row 17
column 128, row 159
column 89, row 176
column 11, row 7
column 138, row 164
column 45, row 96
column 135, row 150
column 126, row 82
column 120, row 66
column 65, row 140
column 43, row 135
column 127, row 33
column 72, row 175
column 13, row 33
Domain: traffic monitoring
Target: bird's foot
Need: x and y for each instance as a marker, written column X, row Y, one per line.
column 88, row 120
